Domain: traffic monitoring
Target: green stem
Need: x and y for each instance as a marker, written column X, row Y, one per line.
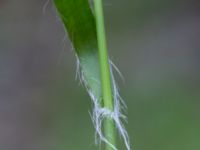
column 109, row 128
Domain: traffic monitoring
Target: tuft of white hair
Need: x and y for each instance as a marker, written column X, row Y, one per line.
column 99, row 113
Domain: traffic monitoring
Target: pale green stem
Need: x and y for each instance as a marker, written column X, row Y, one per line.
column 109, row 127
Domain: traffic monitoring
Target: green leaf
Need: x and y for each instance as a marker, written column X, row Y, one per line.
column 80, row 24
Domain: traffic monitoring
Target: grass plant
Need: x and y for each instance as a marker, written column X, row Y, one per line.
column 87, row 33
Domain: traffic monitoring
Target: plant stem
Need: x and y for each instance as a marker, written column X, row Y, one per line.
column 109, row 127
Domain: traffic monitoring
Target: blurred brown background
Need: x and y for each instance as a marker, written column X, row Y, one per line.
column 155, row 44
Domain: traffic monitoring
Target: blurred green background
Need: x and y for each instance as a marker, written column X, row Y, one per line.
column 155, row 44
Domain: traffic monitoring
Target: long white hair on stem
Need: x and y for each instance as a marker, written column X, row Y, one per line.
column 99, row 113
